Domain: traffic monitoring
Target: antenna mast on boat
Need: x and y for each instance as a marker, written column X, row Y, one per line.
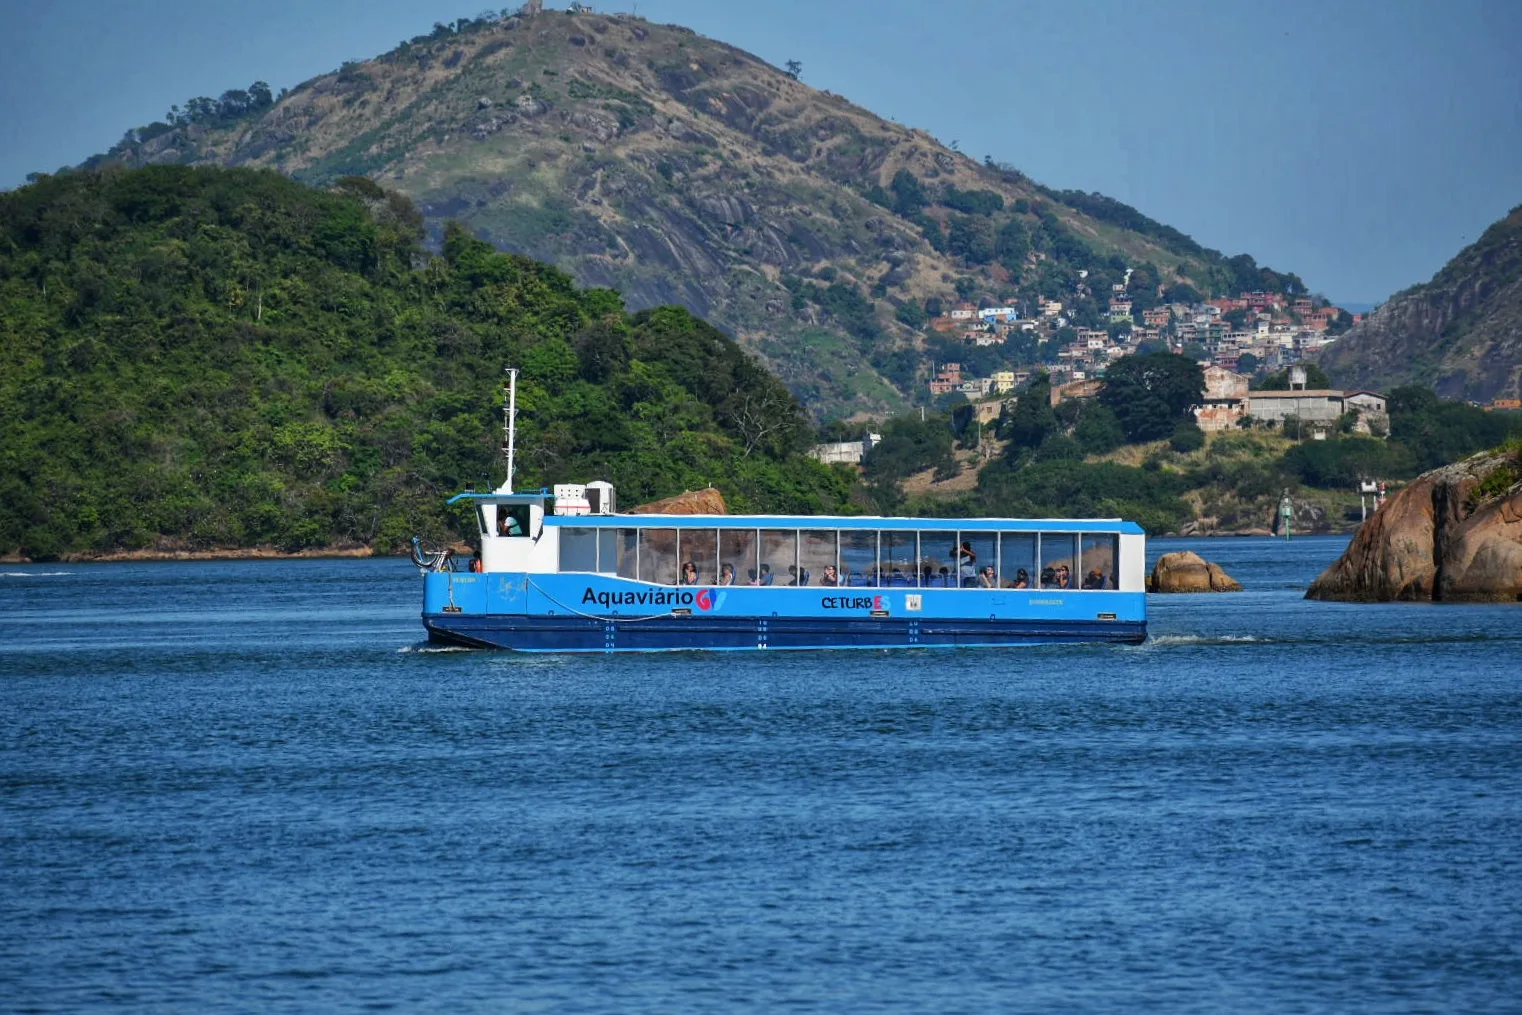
column 510, row 426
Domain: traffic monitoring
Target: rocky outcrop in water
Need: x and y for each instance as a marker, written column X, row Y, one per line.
column 1187, row 571
column 690, row 502
column 1453, row 535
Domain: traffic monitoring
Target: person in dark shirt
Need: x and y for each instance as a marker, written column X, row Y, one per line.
column 689, row 573
column 830, row 577
column 1095, row 579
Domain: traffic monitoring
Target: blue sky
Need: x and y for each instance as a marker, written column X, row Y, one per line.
column 1358, row 143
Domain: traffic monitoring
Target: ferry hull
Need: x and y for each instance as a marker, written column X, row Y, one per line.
column 677, row 634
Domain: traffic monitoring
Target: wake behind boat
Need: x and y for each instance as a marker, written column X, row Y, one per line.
column 563, row 571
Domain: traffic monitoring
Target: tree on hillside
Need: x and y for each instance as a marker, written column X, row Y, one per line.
column 1032, row 420
column 794, row 68
column 1151, row 394
column 971, row 238
column 1181, row 293
column 910, row 446
column 1012, row 246
column 1315, row 377
column 908, row 193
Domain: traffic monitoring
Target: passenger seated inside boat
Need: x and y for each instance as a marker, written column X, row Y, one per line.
column 986, row 578
column 1022, row 579
column 829, row 578
column 726, row 574
column 689, row 573
column 764, row 578
column 794, row 578
column 1095, row 579
column 1055, row 577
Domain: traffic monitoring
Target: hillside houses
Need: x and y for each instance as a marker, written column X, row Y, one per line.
column 1275, row 331
column 1228, row 401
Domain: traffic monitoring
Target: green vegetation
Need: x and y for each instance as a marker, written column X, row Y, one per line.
column 1151, row 394
column 228, row 358
column 1315, row 377
column 1436, row 432
column 910, row 445
column 1233, row 478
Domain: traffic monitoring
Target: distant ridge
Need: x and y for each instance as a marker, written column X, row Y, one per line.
column 1460, row 333
column 680, row 169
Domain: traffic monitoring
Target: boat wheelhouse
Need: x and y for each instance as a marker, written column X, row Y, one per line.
column 563, row 571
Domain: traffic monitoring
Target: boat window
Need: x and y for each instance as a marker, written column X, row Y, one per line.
column 1017, row 560
column 628, row 557
column 607, row 550
column 737, row 549
column 937, row 570
column 779, row 557
column 984, row 553
column 1098, row 552
column 481, row 517
column 817, row 551
column 700, row 548
column 900, row 558
column 657, row 556
column 858, row 556
column 1059, row 560
column 578, row 549
column 512, row 519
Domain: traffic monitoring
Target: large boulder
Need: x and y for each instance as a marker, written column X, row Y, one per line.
column 690, row 502
column 1187, row 571
column 1454, row 535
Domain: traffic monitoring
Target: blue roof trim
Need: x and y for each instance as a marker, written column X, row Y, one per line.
column 846, row 522
column 500, row 498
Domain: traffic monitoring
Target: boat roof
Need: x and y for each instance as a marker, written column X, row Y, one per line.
column 892, row 523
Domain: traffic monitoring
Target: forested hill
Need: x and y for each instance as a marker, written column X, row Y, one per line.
column 681, row 170
column 1461, row 332
column 205, row 357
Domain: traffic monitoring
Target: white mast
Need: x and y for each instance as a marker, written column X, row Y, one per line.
column 510, row 427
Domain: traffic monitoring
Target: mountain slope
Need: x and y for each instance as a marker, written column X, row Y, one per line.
column 226, row 358
column 679, row 169
column 1460, row 333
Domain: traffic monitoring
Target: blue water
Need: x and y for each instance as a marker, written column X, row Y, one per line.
column 247, row 786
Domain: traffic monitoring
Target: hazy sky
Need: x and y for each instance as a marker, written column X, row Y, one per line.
column 1360, row 144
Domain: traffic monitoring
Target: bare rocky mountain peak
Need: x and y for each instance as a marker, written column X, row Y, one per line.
column 669, row 166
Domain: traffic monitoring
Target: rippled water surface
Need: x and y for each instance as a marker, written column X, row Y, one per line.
column 247, row 786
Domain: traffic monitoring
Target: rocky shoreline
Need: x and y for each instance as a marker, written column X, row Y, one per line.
column 1453, row 535
column 216, row 553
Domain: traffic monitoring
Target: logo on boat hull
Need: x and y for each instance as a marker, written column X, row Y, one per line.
column 645, row 597
column 703, row 599
column 852, row 603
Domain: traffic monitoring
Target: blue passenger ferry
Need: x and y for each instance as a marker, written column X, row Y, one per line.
column 563, row 571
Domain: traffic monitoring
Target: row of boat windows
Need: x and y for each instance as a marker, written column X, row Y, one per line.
column 940, row 558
